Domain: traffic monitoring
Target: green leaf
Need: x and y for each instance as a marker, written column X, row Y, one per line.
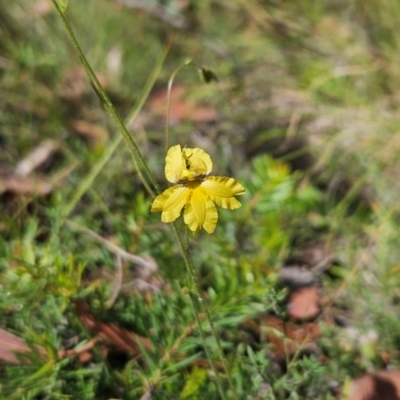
column 194, row 380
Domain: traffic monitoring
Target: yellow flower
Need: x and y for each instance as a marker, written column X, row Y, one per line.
column 188, row 169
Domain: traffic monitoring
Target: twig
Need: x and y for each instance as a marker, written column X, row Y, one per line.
column 111, row 246
column 141, row 285
column 117, row 282
column 320, row 267
column 290, row 133
column 77, row 350
column 148, row 395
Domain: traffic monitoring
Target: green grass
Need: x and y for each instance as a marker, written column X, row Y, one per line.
column 330, row 67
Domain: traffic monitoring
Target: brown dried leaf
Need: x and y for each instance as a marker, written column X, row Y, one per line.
column 82, row 353
column 42, row 8
column 181, row 109
column 202, row 114
column 289, row 337
column 120, row 339
column 24, row 185
column 304, row 303
column 96, row 134
column 286, row 338
column 205, row 363
column 158, row 100
column 12, row 348
column 383, row 385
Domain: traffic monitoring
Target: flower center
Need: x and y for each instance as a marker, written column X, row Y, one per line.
column 193, row 184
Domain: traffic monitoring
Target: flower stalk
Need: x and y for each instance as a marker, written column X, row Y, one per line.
column 195, row 288
column 207, row 76
column 152, row 187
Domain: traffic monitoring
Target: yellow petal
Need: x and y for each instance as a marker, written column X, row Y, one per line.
column 222, row 190
column 190, row 219
column 198, row 161
column 200, row 212
column 171, row 202
column 159, row 201
column 198, row 202
column 174, row 164
column 211, row 217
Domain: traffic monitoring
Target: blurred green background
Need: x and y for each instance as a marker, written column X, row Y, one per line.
column 304, row 114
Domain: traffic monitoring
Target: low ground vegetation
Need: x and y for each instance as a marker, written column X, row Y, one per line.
column 302, row 281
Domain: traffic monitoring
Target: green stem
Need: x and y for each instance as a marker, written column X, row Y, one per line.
column 197, row 292
column 85, row 184
column 150, row 82
column 170, row 82
column 87, row 181
column 139, row 162
column 133, row 148
column 203, row 340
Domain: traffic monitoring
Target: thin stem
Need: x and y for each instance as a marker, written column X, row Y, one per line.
column 150, row 82
column 133, row 148
column 170, row 82
column 187, row 63
column 139, row 162
column 101, row 162
column 89, row 178
column 196, row 286
column 191, row 278
column 203, row 340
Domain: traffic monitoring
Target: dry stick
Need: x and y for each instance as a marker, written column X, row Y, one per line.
column 111, row 246
column 147, row 395
column 120, row 253
column 117, row 282
column 77, row 350
column 291, row 133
